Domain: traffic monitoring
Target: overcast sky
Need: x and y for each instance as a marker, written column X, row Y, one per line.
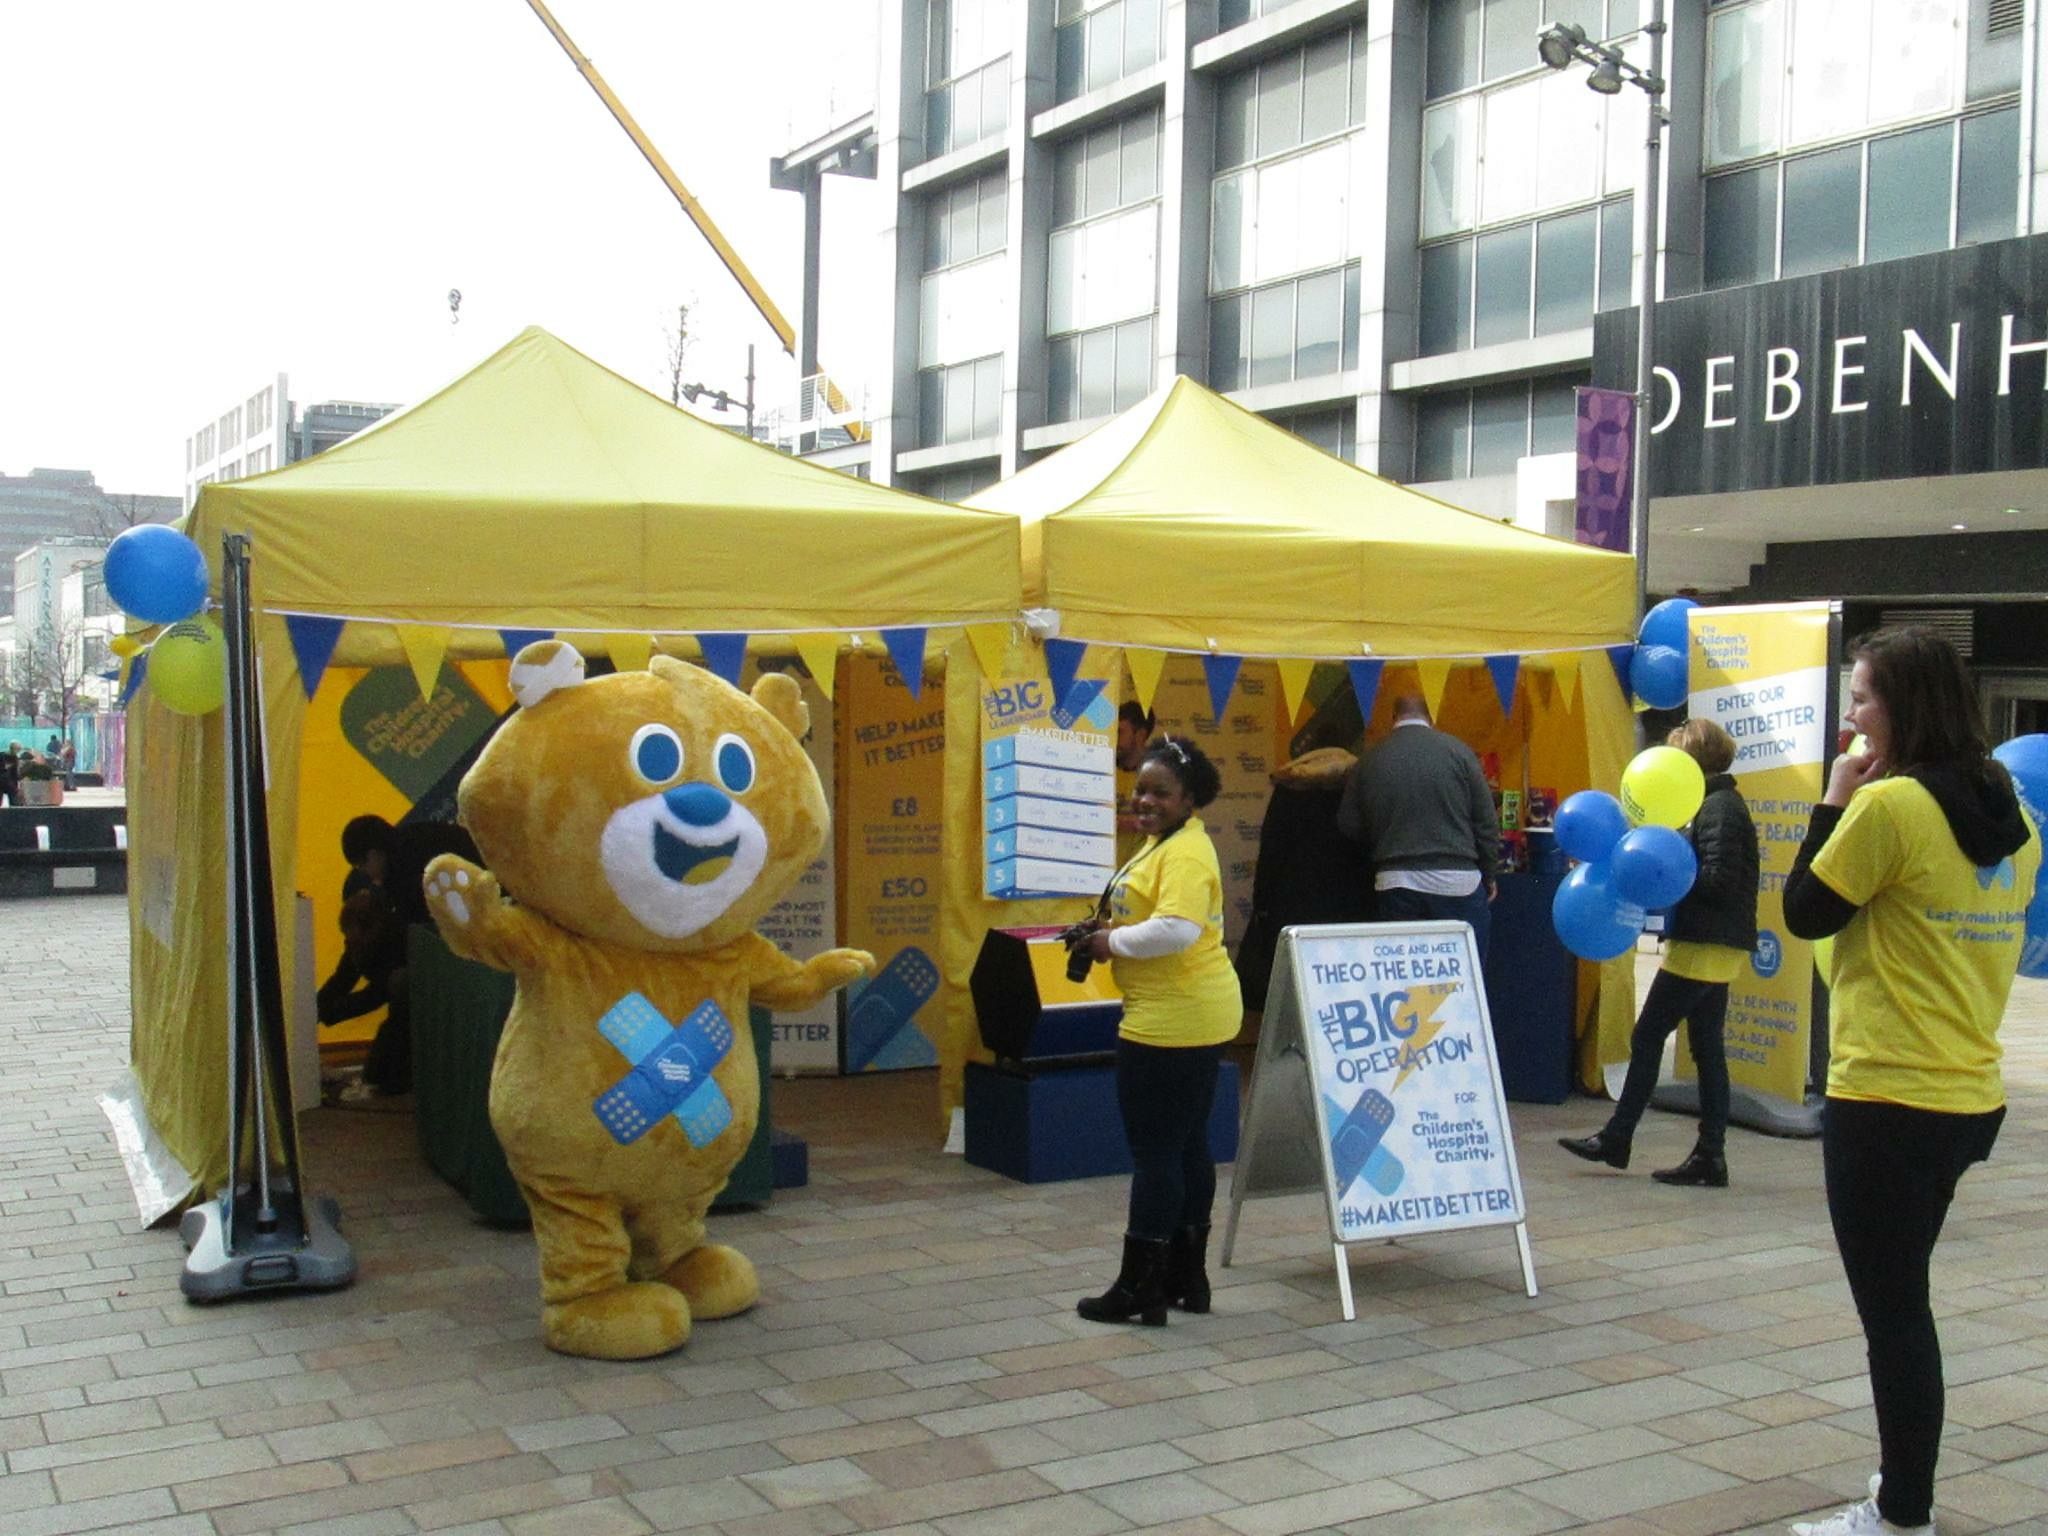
column 199, row 195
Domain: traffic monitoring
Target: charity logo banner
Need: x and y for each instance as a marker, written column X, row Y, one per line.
column 1761, row 673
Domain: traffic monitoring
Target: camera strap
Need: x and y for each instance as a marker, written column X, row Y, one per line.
column 1101, row 911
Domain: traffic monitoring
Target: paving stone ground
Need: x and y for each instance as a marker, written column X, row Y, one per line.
column 1692, row 1365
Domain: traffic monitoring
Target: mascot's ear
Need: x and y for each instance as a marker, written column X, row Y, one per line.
column 543, row 669
column 778, row 693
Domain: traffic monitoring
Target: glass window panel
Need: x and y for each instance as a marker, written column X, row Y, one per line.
column 1141, row 34
column 963, row 219
column 1446, row 318
column 1231, row 209
column 1066, row 183
column 1577, row 13
column 1273, row 334
column 1823, row 198
column 931, row 407
column 1617, row 251
column 988, row 397
column 1358, row 64
column 1228, row 357
column 1324, row 429
column 1566, row 269
column 1233, row 13
column 1500, row 279
column 1122, row 267
column 1140, row 153
column 1914, row 68
column 1553, row 415
column 1500, row 428
column 1570, row 143
column 959, row 403
column 1133, row 362
column 1907, row 207
column 1745, row 82
column 1352, row 284
column 1062, row 280
column 1279, row 104
column 1443, row 436
column 1741, row 225
column 1326, row 87
column 1101, row 173
column 1098, row 373
column 1507, row 178
column 1069, row 62
column 1453, row 46
column 1831, row 41
column 1236, row 102
column 929, row 295
column 1511, row 27
column 937, row 221
column 1061, row 384
column 1318, row 325
column 995, row 99
column 1450, row 150
column 1277, row 228
column 1105, row 45
column 1989, row 191
column 938, row 120
column 1322, row 193
column 995, row 213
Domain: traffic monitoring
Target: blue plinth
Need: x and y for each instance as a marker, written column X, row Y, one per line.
column 1044, row 1126
column 1531, row 991
column 790, row 1158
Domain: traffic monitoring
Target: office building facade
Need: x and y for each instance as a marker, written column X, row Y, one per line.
column 267, row 430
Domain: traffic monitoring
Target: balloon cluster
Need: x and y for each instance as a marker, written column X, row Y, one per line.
column 1632, row 859
column 1656, row 672
column 158, row 575
column 2026, row 759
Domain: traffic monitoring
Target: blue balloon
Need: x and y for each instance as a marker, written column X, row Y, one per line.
column 1589, row 824
column 1656, row 675
column 155, row 574
column 1593, row 922
column 2026, row 759
column 1653, row 867
column 1665, row 625
column 2034, row 950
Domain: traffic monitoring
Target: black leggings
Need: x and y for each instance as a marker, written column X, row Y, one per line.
column 1701, row 1006
column 1891, row 1173
column 1164, row 1094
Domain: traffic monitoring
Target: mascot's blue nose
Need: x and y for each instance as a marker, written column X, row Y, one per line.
column 697, row 804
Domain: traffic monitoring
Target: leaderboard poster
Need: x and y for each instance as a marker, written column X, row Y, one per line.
column 1761, row 673
column 1048, row 788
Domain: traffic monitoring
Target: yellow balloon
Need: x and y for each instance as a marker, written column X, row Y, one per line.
column 188, row 669
column 1663, row 787
column 124, row 645
column 1824, row 960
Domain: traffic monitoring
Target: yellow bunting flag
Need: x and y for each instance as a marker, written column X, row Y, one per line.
column 821, row 656
column 425, row 645
column 1145, row 669
column 629, row 653
column 1295, row 672
column 991, row 644
column 1564, row 670
column 1435, row 673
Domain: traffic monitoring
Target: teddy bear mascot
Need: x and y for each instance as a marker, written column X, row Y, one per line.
column 637, row 826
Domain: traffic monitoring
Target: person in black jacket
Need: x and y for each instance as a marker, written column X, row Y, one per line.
column 1709, row 938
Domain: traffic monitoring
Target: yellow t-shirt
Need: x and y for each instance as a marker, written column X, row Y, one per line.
column 1922, row 972
column 1192, row 997
column 1703, row 962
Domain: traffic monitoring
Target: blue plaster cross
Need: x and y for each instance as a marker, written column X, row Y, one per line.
column 671, row 1071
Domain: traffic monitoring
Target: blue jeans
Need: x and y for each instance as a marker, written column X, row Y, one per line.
column 1403, row 906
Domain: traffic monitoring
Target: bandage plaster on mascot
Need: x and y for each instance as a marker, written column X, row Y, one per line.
column 636, row 826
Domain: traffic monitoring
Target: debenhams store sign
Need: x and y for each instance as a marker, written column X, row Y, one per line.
column 1937, row 365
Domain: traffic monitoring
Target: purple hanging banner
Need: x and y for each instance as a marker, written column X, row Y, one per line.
column 1606, row 443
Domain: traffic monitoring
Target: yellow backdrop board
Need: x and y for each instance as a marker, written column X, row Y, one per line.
column 891, row 791
column 1761, row 673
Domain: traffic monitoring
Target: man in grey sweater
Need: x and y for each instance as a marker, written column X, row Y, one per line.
column 1419, row 804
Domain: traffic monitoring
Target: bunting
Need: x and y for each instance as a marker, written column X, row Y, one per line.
column 820, row 654
column 1063, row 664
column 991, row 644
column 1145, row 669
column 1505, row 670
column 1295, row 672
column 425, row 646
column 1221, row 671
column 1435, row 673
column 906, row 649
column 517, row 640
column 725, row 654
column 136, row 667
column 1564, row 672
column 629, row 653
column 313, row 640
column 1619, row 656
column 1365, row 685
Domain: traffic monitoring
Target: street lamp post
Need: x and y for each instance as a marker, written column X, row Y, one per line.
column 721, row 400
column 1559, row 46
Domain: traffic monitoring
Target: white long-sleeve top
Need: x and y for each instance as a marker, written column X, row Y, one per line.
column 1154, row 937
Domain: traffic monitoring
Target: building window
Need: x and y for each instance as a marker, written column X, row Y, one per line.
column 1298, row 328
column 1333, row 431
column 960, row 403
column 967, row 73
column 1474, row 41
column 964, row 222
column 1903, row 194
column 1291, row 99
column 954, row 484
column 1485, row 431
column 1532, row 279
column 963, row 312
column 1102, row 269
column 1235, row 13
column 1098, row 42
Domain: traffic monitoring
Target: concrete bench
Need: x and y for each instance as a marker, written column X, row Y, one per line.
column 55, row 850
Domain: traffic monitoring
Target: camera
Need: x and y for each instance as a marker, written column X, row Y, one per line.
column 1079, row 961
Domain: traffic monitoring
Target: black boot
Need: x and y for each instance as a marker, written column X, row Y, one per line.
column 1601, row 1147
column 1187, row 1275
column 1139, row 1295
column 1701, row 1169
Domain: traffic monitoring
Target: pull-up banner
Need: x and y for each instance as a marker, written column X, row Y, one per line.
column 1376, row 1081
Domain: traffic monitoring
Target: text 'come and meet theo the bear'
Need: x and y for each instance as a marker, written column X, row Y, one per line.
column 640, row 825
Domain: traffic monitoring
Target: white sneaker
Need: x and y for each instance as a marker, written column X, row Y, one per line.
column 1860, row 1520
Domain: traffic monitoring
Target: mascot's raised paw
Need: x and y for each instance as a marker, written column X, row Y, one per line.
column 458, row 888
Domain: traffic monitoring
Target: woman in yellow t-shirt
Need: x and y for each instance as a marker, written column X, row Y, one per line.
column 1164, row 943
column 1921, row 859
